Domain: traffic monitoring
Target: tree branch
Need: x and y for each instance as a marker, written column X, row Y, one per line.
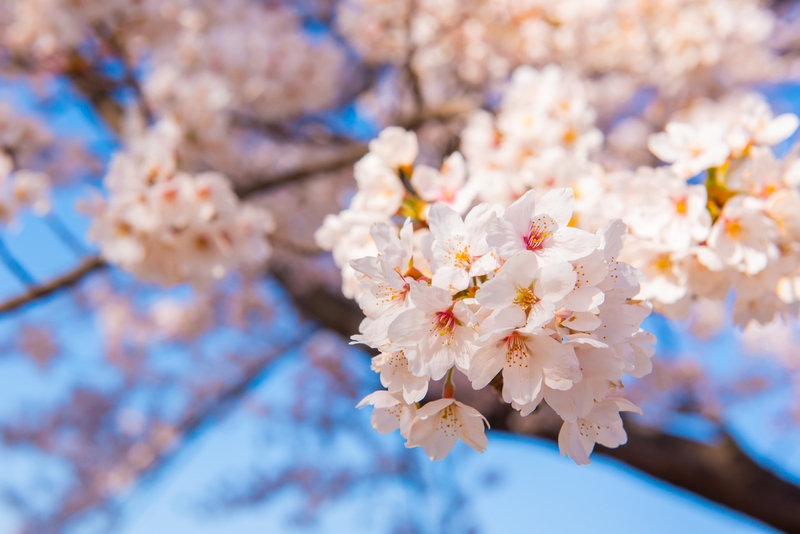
column 721, row 472
column 191, row 424
column 94, row 263
column 348, row 155
column 252, row 372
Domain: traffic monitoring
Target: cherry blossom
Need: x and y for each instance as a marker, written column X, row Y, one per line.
column 528, row 291
column 390, row 413
column 542, row 228
column 527, row 361
column 743, row 236
column 436, row 333
column 602, row 425
column 514, row 292
column 690, row 150
column 440, row 423
column 458, row 248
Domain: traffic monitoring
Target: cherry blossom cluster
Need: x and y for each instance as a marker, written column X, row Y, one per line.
column 511, row 296
column 217, row 69
column 381, row 195
column 720, row 216
column 539, row 138
column 733, row 226
column 49, row 30
column 169, row 226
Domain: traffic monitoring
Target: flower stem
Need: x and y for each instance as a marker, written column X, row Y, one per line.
column 449, row 388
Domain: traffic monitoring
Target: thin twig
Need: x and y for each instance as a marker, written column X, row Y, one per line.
column 35, row 292
column 294, row 247
column 60, row 229
column 347, row 157
column 16, row 268
column 252, row 374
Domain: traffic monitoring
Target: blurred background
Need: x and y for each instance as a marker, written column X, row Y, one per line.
column 128, row 406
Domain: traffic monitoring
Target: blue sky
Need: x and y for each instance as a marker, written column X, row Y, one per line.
column 518, row 485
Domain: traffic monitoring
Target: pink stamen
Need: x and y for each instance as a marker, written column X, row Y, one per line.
column 535, row 238
column 446, row 321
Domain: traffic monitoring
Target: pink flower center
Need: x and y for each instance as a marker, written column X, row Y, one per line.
column 535, row 238
column 446, row 322
column 517, row 352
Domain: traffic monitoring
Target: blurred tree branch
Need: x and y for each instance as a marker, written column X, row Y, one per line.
column 721, row 472
column 90, row 496
column 347, row 156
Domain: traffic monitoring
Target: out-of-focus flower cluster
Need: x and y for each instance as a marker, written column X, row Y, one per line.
column 511, row 296
column 721, row 216
column 246, row 57
column 169, row 226
column 661, row 43
column 540, row 138
column 221, row 71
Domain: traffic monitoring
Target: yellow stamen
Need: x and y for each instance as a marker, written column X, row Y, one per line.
column 525, row 298
column 663, row 263
column 734, row 228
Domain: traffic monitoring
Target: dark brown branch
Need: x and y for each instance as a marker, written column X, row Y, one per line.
column 347, row 156
column 294, row 247
column 35, row 292
column 721, row 472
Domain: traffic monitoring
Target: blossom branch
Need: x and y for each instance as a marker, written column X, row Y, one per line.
column 94, row 263
column 721, row 471
column 729, row 476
